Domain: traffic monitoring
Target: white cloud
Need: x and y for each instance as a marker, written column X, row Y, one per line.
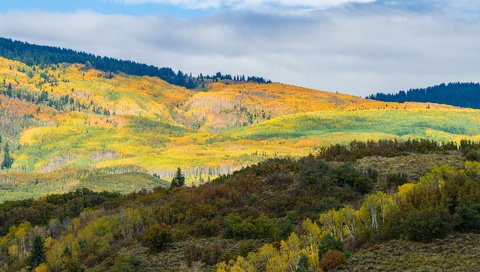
column 349, row 50
column 247, row 4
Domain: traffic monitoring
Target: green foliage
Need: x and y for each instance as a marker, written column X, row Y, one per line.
column 347, row 175
column 59, row 206
column 157, row 237
column 329, row 243
column 302, row 264
column 178, row 180
column 426, row 224
column 467, row 217
column 385, row 148
column 397, row 179
column 37, row 254
column 7, row 160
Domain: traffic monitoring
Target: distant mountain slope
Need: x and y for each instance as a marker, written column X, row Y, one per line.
column 75, row 87
column 63, row 119
column 32, row 54
column 465, row 95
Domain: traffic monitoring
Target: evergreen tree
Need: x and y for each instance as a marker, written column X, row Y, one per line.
column 178, row 180
column 37, row 254
column 7, row 160
column 302, row 264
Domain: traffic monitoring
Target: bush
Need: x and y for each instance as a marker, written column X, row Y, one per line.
column 206, row 228
column 472, row 155
column 329, row 243
column 332, row 259
column 157, row 237
column 426, row 224
column 209, row 255
column 467, row 218
column 397, row 179
column 346, row 174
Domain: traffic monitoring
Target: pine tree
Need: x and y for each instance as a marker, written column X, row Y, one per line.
column 302, row 265
column 178, row 180
column 7, row 160
column 37, row 254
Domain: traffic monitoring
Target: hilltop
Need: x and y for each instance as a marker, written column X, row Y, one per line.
column 33, row 54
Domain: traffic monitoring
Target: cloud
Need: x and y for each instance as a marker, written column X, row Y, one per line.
column 354, row 49
column 247, row 4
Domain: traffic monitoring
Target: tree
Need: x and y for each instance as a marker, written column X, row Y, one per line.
column 7, row 160
column 327, row 243
column 37, row 254
column 302, row 264
column 178, row 180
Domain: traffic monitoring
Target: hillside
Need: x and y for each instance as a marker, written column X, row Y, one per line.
column 33, row 54
column 455, row 253
column 64, row 120
column 266, row 217
column 466, row 95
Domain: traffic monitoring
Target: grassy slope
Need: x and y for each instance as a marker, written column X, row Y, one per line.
column 343, row 126
column 459, row 252
column 19, row 185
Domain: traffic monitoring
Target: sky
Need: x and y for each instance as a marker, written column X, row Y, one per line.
column 348, row 46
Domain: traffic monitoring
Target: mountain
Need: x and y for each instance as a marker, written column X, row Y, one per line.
column 466, row 95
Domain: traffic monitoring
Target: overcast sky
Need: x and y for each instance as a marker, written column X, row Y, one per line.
column 357, row 47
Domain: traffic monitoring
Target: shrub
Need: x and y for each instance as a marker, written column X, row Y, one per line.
column 332, row 259
column 329, row 243
column 347, row 175
column 467, row 218
column 206, row 228
column 397, row 179
column 207, row 254
column 426, row 224
column 157, row 237
column 472, row 155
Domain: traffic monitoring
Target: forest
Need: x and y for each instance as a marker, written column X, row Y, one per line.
column 458, row 94
column 31, row 54
column 284, row 214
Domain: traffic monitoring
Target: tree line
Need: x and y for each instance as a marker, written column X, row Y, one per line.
column 390, row 148
column 31, row 54
column 457, row 94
